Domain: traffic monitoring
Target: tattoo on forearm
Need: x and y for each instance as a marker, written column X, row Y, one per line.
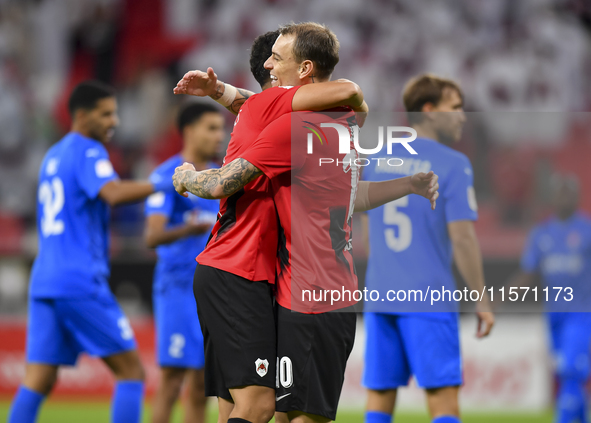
column 244, row 93
column 219, row 90
column 241, row 97
column 230, row 178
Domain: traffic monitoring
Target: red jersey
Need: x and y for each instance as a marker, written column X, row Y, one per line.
column 244, row 238
column 315, row 204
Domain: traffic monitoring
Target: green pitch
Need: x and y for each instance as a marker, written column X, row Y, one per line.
column 70, row 412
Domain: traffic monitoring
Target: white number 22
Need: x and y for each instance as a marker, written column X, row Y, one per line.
column 51, row 196
column 392, row 216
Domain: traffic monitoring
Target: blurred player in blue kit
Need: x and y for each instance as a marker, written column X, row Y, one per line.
column 559, row 250
column 411, row 248
column 178, row 228
column 71, row 308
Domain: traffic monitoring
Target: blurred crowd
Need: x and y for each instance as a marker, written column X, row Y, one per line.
column 526, row 55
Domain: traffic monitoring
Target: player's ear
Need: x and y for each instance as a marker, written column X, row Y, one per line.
column 306, row 69
column 186, row 132
column 427, row 109
column 80, row 115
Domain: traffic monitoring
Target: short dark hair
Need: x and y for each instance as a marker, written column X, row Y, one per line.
column 86, row 94
column 314, row 42
column 192, row 112
column 423, row 89
column 259, row 53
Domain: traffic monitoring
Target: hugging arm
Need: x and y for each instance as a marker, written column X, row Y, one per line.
column 206, row 84
column 215, row 183
column 326, row 95
column 314, row 97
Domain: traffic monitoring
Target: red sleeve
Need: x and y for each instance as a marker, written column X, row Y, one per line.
column 270, row 104
column 272, row 152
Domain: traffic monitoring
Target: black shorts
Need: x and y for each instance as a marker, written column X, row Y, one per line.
column 239, row 334
column 312, row 352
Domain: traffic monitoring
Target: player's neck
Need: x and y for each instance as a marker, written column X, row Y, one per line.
column 564, row 216
column 426, row 132
column 79, row 129
column 314, row 80
column 197, row 159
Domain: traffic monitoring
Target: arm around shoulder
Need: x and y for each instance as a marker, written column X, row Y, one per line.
column 326, row 95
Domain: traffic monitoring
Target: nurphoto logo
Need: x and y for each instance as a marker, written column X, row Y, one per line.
column 348, row 134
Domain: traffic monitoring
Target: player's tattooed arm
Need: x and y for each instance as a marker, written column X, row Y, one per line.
column 215, row 183
column 202, row 84
column 241, row 96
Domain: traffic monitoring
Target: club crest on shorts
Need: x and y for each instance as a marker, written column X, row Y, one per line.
column 262, row 366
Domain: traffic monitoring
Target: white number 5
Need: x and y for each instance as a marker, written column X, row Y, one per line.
column 177, row 343
column 392, row 216
column 125, row 327
column 52, row 198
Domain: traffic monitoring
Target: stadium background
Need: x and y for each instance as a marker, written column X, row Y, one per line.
column 524, row 66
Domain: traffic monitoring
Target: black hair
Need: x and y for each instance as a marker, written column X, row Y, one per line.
column 192, row 112
column 259, row 53
column 86, row 94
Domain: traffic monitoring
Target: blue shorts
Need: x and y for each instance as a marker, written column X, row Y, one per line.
column 179, row 341
column 398, row 346
column 59, row 329
column 570, row 334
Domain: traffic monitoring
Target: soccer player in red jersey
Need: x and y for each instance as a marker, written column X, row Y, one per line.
column 233, row 281
column 315, row 396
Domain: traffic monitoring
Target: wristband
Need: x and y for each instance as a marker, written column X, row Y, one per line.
column 229, row 95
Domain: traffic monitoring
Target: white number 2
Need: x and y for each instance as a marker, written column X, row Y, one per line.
column 52, row 198
column 392, row 216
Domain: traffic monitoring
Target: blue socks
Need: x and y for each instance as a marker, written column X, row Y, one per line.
column 377, row 417
column 381, row 417
column 126, row 407
column 446, row 419
column 127, row 401
column 572, row 404
column 25, row 406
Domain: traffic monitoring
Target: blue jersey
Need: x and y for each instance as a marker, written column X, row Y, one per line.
column 72, row 221
column 176, row 261
column 410, row 248
column 561, row 252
